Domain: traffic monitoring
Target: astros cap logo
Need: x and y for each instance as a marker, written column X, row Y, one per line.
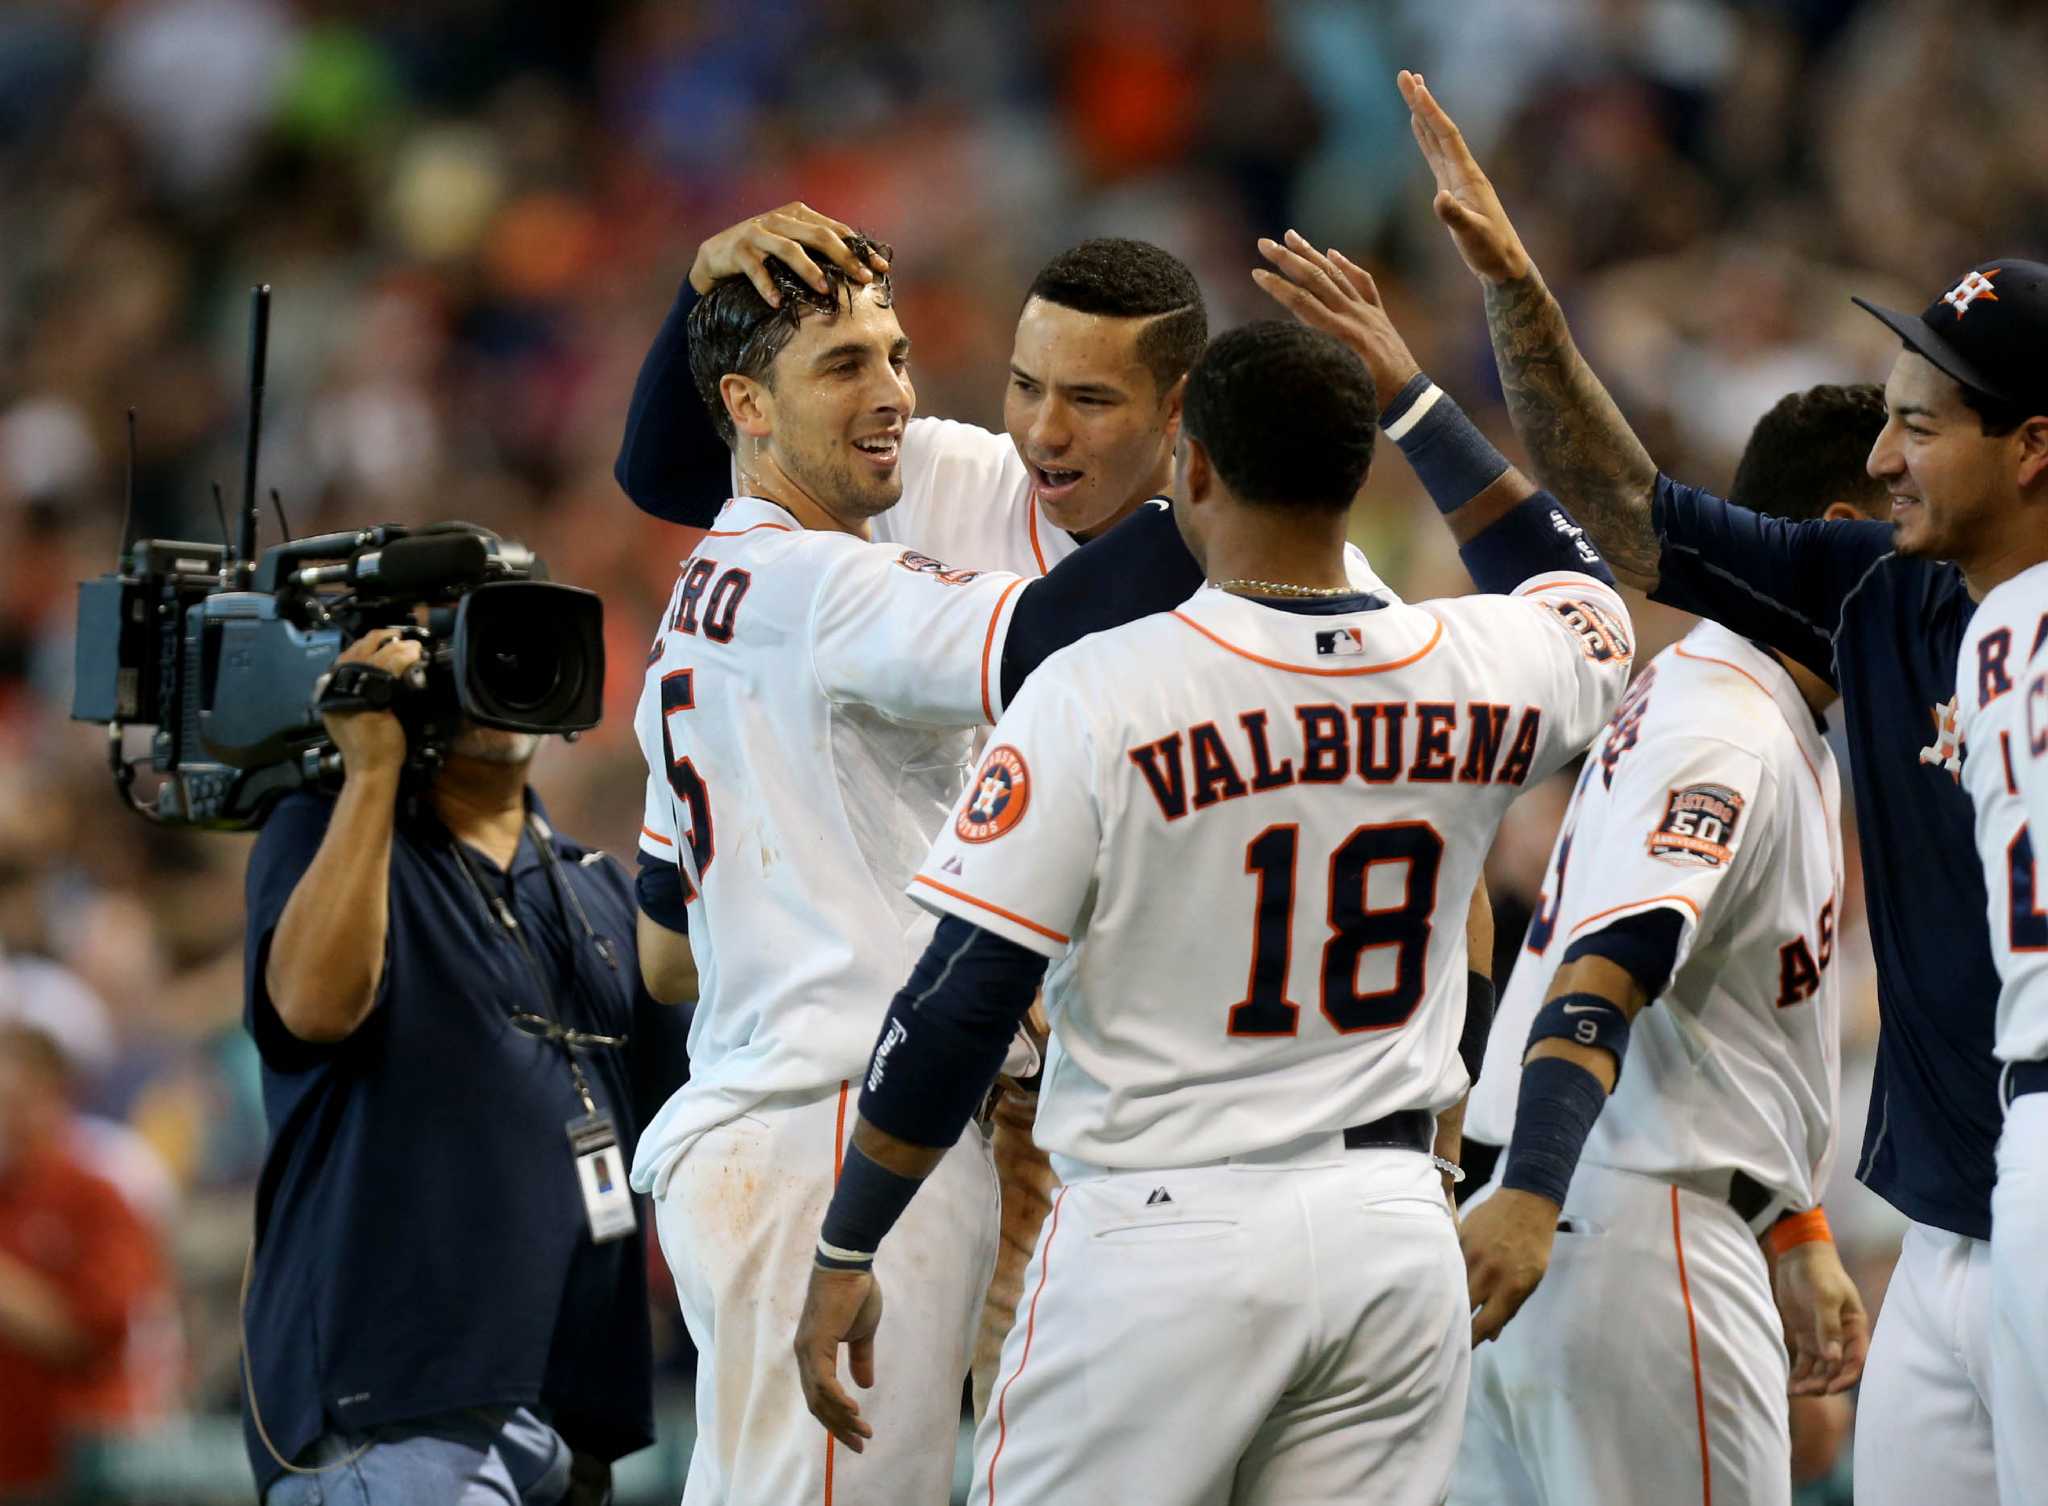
column 1974, row 286
column 996, row 802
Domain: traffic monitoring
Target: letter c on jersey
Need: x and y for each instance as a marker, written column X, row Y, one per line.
column 998, row 797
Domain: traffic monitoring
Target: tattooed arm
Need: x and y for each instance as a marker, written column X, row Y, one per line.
column 1580, row 447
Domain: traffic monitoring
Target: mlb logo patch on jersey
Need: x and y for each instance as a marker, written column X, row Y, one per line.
column 996, row 801
column 1340, row 642
column 1698, row 829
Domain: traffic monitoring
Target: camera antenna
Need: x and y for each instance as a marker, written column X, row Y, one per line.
column 284, row 524
column 220, row 510
column 244, row 548
column 128, row 492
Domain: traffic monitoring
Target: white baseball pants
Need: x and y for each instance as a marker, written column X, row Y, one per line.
column 1649, row 1365
column 1288, row 1328
column 739, row 1224
column 2019, row 1308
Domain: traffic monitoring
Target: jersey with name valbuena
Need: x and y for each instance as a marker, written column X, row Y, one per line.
column 1998, row 714
column 806, row 722
column 1712, row 795
column 807, row 719
column 1247, row 834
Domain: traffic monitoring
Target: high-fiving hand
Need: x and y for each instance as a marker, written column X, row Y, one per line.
column 1334, row 294
column 1465, row 200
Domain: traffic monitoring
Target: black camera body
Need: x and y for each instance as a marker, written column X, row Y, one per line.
column 227, row 661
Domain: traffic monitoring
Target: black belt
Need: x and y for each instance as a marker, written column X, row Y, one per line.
column 2022, row 1078
column 1406, row 1129
column 1748, row 1197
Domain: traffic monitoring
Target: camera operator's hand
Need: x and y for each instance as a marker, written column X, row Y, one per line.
column 374, row 741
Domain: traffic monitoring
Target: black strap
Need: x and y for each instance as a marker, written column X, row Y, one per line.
column 1748, row 1197
column 356, row 686
column 2022, row 1078
column 1405, row 1129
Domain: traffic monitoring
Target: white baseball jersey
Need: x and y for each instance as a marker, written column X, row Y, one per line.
column 805, row 724
column 2001, row 708
column 1712, row 795
column 1248, row 837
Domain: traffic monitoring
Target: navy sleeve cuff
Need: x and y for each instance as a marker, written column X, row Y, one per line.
column 947, row 1031
column 1644, row 946
column 659, row 888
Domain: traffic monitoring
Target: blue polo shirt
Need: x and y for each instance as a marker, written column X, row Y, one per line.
column 1884, row 629
column 421, row 1240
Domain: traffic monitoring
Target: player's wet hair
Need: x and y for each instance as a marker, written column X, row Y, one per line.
column 1810, row 451
column 1287, row 414
column 1124, row 279
column 1995, row 415
column 733, row 328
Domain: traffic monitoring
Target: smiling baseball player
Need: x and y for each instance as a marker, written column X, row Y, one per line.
column 1248, row 1288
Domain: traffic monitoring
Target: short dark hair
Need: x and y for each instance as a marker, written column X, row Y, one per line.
column 1287, row 414
column 1996, row 416
column 1811, row 450
column 734, row 329
column 1125, row 279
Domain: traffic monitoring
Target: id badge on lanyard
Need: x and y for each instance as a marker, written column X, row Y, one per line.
column 601, row 1173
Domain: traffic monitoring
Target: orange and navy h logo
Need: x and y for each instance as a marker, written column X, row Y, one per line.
column 1974, row 286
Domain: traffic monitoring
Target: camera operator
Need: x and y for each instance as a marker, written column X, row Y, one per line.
column 448, row 1294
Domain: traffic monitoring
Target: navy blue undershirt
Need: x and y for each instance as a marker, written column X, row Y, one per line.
column 421, row 1243
column 1884, row 629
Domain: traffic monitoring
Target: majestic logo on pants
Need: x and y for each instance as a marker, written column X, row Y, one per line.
column 997, row 799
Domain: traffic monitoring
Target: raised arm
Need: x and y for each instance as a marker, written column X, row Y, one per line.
column 1580, row 447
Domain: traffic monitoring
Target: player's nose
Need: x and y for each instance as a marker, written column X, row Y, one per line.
column 1887, row 457
column 1050, row 433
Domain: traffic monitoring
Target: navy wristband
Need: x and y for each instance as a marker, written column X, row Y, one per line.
column 1584, row 1019
column 1554, row 1114
column 864, row 1208
column 1452, row 459
column 1479, row 998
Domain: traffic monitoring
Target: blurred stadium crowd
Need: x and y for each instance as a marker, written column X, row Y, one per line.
column 475, row 212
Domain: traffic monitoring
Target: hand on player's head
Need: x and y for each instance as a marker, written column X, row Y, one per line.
column 1465, row 200
column 787, row 235
column 1330, row 292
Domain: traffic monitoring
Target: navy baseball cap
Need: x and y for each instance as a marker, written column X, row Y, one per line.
column 1989, row 331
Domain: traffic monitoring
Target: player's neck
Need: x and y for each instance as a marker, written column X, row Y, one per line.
column 2020, row 551
column 1252, row 548
column 1816, row 692
column 765, row 479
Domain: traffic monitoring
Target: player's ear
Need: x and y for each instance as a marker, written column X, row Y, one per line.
column 2032, row 439
column 1197, row 475
column 1175, row 396
column 748, row 403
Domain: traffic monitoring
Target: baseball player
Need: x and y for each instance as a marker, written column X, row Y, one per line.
column 1244, row 834
column 1698, row 866
column 2001, row 733
column 806, row 722
column 1879, row 612
column 1091, row 404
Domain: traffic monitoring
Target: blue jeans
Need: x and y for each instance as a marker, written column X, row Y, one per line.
column 486, row 1456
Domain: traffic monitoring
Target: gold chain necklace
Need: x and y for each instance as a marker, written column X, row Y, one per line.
column 1279, row 588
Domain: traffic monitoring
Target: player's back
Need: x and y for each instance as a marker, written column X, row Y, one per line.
column 1711, row 795
column 813, row 740
column 1286, row 810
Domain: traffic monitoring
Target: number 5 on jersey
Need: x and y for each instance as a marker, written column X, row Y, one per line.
column 678, row 695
